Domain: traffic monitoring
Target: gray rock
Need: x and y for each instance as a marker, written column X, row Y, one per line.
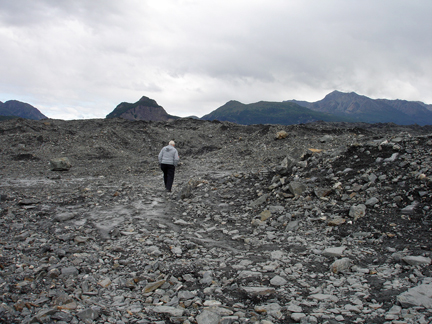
column 292, row 226
column 89, row 314
column 324, row 297
column 208, row 317
column 69, row 271
column 173, row 311
column 420, row 296
column 417, row 260
column 340, row 265
column 185, row 295
column 326, row 138
column 296, row 188
column 357, row 211
column 372, row 201
column 259, row 201
column 392, row 158
column 410, row 209
column 278, row 281
column 60, row 164
column 62, row 217
column 334, row 251
column 258, row 291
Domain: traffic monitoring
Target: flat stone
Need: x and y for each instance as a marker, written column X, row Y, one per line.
column 272, row 309
column 322, row 297
column 69, row 271
column 208, row 317
column 249, row 274
column 372, row 201
column 336, row 221
column 89, row 314
column 292, row 226
column 294, row 308
column 417, row 260
column 296, row 188
column 420, row 296
column 173, row 311
column 258, row 291
column 153, row 286
column 297, row 316
column 105, row 282
column 334, row 251
column 266, row 214
column 63, row 217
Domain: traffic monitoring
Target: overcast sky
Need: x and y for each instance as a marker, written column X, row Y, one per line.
column 81, row 58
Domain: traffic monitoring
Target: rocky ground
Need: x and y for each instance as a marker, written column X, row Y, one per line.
column 316, row 223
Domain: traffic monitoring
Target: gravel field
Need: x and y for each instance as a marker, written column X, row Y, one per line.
column 314, row 223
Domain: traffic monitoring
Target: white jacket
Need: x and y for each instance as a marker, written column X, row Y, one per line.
column 169, row 155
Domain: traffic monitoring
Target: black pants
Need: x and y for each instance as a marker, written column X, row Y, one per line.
column 168, row 170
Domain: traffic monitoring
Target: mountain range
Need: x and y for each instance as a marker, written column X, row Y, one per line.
column 336, row 106
column 364, row 109
column 264, row 112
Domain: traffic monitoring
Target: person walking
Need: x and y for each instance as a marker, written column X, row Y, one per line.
column 168, row 160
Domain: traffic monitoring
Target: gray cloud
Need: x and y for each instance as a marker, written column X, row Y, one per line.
column 79, row 59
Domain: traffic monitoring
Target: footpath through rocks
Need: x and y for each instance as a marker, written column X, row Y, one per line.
column 316, row 223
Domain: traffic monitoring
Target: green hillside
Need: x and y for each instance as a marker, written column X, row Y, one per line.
column 264, row 112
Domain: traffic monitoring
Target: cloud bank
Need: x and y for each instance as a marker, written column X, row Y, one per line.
column 80, row 59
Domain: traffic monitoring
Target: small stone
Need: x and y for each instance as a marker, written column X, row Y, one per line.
column 105, row 283
column 296, row 188
column 69, row 271
column 334, row 252
column 322, row 192
column 80, row 239
column 297, row 316
column 266, row 214
column 208, row 317
column 281, row 135
column 357, row 211
column 294, row 308
column 278, row 281
column 60, row 164
column 340, row 265
column 336, row 221
column 322, row 297
column 186, row 294
column 258, row 291
column 272, row 309
column 153, row 286
column 173, row 311
column 371, row 201
column 292, row 226
column 409, row 210
column 89, row 314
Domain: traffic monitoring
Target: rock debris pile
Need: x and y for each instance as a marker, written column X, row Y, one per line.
column 315, row 223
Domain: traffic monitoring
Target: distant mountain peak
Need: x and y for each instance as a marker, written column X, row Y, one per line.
column 144, row 109
column 365, row 109
column 20, row 109
column 147, row 101
column 338, row 94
